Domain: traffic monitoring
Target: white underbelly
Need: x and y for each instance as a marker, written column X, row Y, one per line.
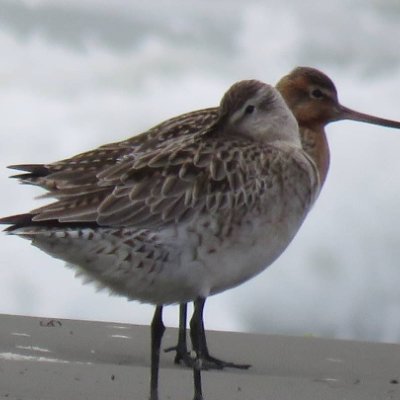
column 219, row 263
column 240, row 262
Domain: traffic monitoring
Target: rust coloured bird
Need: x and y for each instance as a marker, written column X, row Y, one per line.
column 195, row 206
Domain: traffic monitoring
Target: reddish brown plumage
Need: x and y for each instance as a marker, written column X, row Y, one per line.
column 312, row 97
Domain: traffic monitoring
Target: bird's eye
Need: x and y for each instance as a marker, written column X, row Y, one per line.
column 249, row 109
column 317, row 94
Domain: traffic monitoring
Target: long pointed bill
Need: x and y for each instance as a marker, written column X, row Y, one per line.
column 347, row 113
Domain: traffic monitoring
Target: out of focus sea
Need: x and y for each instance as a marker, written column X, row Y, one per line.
column 75, row 75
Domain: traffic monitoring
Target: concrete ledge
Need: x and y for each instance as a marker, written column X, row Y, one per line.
column 54, row 359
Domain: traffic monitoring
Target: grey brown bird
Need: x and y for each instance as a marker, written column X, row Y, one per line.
column 195, row 206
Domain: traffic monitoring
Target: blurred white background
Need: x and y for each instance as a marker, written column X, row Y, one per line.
column 75, row 75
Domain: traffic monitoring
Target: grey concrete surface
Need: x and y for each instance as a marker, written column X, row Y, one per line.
column 42, row 359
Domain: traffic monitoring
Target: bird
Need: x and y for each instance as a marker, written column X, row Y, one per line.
column 190, row 208
column 313, row 99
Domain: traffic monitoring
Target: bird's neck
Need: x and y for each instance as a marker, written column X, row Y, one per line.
column 315, row 143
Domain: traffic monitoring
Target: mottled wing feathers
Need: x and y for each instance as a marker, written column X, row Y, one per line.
column 80, row 172
column 168, row 185
column 77, row 171
column 191, row 175
column 119, row 171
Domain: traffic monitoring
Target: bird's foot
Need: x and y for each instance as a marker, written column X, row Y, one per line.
column 210, row 362
column 207, row 362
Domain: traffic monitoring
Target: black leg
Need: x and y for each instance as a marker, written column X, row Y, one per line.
column 157, row 331
column 182, row 353
column 182, row 342
column 195, row 323
column 199, row 340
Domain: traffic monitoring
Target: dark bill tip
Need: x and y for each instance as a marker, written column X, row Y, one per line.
column 347, row 113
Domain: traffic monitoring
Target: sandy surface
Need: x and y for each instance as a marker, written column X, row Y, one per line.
column 65, row 359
